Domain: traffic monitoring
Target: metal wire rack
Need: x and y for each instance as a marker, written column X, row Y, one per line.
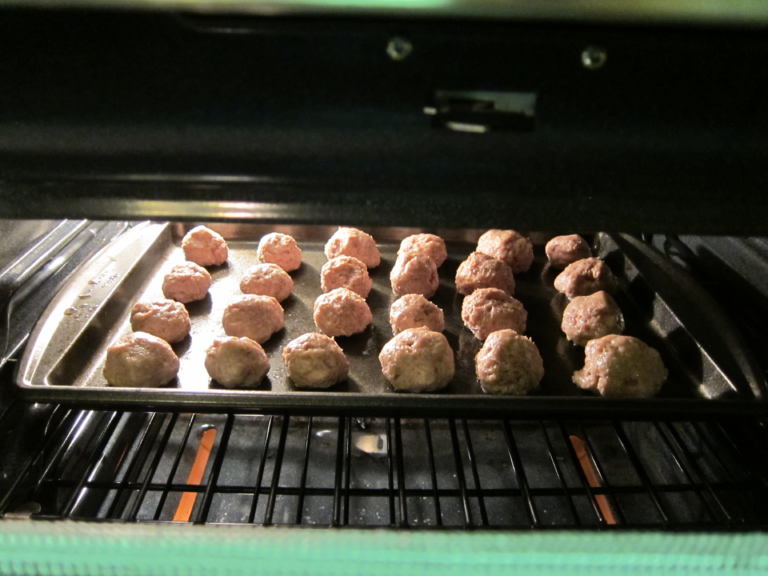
column 393, row 472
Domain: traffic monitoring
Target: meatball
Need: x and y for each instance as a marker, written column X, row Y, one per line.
column 341, row 312
column 355, row 243
column 428, row 245
column 562, row 250
column 140, row 360
column 166, row 319
column 490, row 309
column 186, row 282
column 315, row 361
column 267, row 280
column 509, row 246
column 621, row 367
column 346, row 272
column 483, row 271
column 417, row 360
column 415, row 311
column 414, row 274
column 589, row 317
column 256, row 317
column 585, row 277
column 280, row 249
column 203, row 246
column 509, row 363
column 236, row 362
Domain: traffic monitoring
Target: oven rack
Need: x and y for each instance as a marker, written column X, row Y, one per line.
column 129, row 466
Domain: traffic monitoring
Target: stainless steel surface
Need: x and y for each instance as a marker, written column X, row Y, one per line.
column 18, row 235
column 67, row 350
column 21, row 270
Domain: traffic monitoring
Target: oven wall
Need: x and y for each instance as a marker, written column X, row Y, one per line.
column 106, row 114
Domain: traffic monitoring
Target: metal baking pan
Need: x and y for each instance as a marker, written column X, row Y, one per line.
column 65, row 355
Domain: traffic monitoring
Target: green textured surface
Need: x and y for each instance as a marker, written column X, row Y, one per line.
column 79, row 548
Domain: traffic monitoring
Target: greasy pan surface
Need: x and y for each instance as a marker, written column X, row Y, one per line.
column 65, row 357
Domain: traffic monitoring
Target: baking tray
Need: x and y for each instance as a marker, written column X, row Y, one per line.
column 64, row 358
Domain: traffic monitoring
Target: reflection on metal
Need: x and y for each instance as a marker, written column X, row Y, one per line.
column 481, row 111
column 464, row 127
column 594, row 57
column 745, row 12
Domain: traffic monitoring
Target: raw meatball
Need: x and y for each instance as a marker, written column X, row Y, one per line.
column 562, row 250
column 256, row 317
column 417, row 360
column 236, row 362
column 315, row 361
column 166, row 319
column 509, row 246
column 140, row 360
column 509, row 363
column 621, row 367
column 415, row 311
column 589, row 317
column 428, row 245
column 341, row 312
column 346, row 272
column 355, row 243
column 267, row 280
column 280, row 249
column 490, row 309
column 483, row 271
column 203, row 246
column 585, row 277
column 186, row 282
column 414, row 274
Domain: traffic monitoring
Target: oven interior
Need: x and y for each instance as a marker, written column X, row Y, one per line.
column 323, row 125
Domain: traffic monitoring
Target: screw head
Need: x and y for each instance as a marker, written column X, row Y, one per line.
column 594, row 57
column 399, row 48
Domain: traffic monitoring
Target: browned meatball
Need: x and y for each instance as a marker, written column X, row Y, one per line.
column 415, row 311
column 490, row 309
column 346, row 272
column 509, row 363
column 256, row 317
column 280, row 249
column 315, row 361
column 203, row 246
column 355, row 243
column 589, row 317
column 428, row 245
column 140, row 360
column 508, row 246
column 621, row 367
column 186, row 283
column 414, row 274
column 267, row 280
column 562, row 250
column 483, row 271
column 166, row 319
column 236, row 362
column 585, row 277
column 341, row 312
column 417, row 360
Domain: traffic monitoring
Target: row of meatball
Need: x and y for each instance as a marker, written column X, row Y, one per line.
column 419, row 358
column 615, row 365
column 145, row 358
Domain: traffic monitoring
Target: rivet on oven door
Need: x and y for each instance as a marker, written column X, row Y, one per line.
column 399, row 48
column 594, row 57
